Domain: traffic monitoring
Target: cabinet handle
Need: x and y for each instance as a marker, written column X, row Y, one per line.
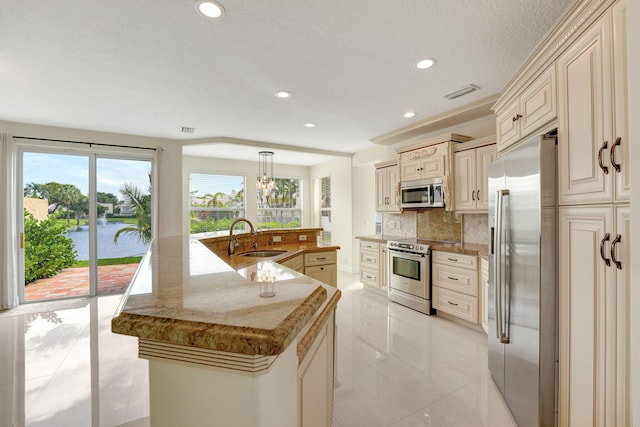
column 606, row 237
column 321, row 258
column 612, row 154
column 516, row 117
column 452, row 303
column 473, row 195
column 452, row 278
column 604, row 168
column 452, row 259
column 478, row 195
column 613, row 251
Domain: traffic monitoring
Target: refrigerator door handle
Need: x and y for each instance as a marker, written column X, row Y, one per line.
column 499, row 261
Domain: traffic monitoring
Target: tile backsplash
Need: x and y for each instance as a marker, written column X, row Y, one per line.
column 437, row 224
column 476, row 228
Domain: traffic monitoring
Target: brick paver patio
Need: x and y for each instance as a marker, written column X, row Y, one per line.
column 72, row 282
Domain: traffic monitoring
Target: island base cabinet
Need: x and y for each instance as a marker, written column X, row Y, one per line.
column 315, row 381
column 193, row 395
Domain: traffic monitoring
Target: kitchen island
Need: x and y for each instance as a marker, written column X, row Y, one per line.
column 219, row 354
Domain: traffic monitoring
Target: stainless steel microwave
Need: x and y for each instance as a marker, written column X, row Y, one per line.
column 422, row 193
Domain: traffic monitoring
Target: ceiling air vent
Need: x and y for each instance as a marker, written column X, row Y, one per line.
column 462, row 91
column 188, row 130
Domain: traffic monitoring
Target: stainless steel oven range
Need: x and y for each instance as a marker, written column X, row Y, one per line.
column 410, row 274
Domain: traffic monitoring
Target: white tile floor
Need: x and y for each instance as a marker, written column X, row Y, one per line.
column 395, row 367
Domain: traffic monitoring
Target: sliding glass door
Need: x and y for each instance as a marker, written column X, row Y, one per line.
column 87, row 222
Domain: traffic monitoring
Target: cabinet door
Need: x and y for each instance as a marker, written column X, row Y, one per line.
column 538, row 102
column 381, row 190
column 584, row 118
column 621, row 253
column 484, row 157
column 621, row 115
column 433, row 167
column 465, row 180
column 484, row 294
column 382, row 277
column 507, row 127
column 586, row 318
column 409, row 169
column 393, row 188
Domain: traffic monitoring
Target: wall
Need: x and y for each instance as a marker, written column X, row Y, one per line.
column 339, row 170
column 169, row 171
column 250, row 170
column 633, row 56
column 475, row 228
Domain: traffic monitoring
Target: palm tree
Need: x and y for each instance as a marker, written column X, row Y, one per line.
column 141, row 202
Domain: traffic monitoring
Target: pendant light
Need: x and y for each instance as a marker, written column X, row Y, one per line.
column 265, row 181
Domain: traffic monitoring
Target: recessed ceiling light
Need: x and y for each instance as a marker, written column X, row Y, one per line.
column 283, row 94
column 425, row 63
column 309, row 125
column 209, row 9
column 409, row 115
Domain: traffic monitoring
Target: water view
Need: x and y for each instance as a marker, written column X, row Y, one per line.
column 127, row 245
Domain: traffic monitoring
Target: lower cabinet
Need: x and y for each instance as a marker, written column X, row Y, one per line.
column 594, row 284
column 455, row 284
column 322, row 266
column 484, row 294
column 315, row 381
column 373, row 265
column 296, row 263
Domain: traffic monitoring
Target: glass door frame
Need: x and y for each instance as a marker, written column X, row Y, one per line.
column 92, row 153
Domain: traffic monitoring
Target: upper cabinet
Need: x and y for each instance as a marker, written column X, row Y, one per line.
column 428, row 159
column 387, row 187
column 535, row 107
column 471, row 162
column 592, row 119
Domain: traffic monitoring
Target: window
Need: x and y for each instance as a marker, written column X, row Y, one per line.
column 215, row 201
column 280, row 207
column 325, row 209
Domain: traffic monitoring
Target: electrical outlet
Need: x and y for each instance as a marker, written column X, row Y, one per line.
column 302, row 237
column 277, row 239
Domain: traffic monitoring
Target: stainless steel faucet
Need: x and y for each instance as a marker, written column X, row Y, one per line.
column 233, row 240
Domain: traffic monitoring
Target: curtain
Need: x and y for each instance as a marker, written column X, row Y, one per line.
column 8, row 223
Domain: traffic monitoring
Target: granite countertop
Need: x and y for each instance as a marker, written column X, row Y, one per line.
column 291, row 251
column 436, row 245
column 185, row 294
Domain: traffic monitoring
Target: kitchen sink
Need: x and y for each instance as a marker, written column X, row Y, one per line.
column 262, row 254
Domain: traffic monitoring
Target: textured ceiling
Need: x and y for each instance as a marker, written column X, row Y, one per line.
column 148, row 67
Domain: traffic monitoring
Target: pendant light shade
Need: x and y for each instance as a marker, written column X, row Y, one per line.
column 265, row 182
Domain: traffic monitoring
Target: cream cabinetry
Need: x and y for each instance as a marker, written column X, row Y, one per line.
column 373, row 265
column 315, row 380
column 484, row 294
column 387, row 188
column 428, row 159
column 592, row 120
column 455, row 284
column 296, row 263
column 529, row 111
column 322, row 266
column 594, row 316
column 470, row 177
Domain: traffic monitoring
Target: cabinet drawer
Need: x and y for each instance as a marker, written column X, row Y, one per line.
column 370, row 259
column 458, row 260
column 372, row 246
column 456, row 279
column 369, row 277
column 463, row 306
column 319, row 258
column 323, row 273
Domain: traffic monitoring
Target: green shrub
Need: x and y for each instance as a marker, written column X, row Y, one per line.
column 46, row 248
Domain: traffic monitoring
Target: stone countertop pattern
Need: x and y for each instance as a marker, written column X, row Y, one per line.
column 185, row 294
column 460, row 248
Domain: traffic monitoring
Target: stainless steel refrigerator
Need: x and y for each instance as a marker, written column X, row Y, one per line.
column 522, row 279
